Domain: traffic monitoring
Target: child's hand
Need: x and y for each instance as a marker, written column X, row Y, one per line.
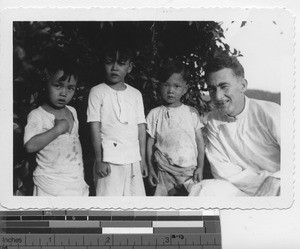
column 198, row 175
column 62, row 125
column 144, row 169
column 153, row 179
column 102, row 169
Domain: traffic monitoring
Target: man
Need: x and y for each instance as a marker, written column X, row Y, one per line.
column 243, row 136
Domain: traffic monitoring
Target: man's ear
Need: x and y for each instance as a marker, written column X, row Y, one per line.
column 244, row 84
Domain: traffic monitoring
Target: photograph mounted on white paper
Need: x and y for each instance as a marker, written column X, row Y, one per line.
column 190, row 109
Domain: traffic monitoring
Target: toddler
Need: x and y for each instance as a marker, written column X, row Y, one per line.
column 52, row 133
column 175, row 146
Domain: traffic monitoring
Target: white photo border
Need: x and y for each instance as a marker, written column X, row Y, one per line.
column 282, row 16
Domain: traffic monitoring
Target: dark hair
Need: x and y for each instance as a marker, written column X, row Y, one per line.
column 124, row 50
column 224, row 61
column 171, row 67
column 55, row 60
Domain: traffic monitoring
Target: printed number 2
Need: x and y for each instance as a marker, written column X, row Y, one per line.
column 107, row 240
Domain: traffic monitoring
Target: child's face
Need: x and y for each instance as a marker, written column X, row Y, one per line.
column 173, row 89
column 116, row 69
column 60, row 92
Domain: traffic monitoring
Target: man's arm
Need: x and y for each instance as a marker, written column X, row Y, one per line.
column 152, row 177
column 102, row 168
column 38, row 142
column 198, row 173
column 142, row 143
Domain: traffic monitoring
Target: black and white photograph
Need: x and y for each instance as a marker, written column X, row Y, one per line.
column 190, row 109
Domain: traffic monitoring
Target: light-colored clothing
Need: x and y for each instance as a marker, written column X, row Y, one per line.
column 245, row 150
column 173, row 180
column 59, row 168
column 124, row 180
column 119, row 112
column 215, row 188
column 175, row 153
column 173, row 130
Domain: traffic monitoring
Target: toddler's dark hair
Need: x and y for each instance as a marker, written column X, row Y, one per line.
column 124, row 50
column 171, row 67
column 55, row 60
column 224, row 61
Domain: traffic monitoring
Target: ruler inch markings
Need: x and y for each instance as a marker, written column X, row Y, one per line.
column 111, row 229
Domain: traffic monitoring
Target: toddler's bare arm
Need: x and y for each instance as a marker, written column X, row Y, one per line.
column 198, row 173
column 38, row 142
column 102, row 169
column 153, row 179
column 142, row 143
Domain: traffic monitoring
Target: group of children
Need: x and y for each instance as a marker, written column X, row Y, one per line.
column 167, row 146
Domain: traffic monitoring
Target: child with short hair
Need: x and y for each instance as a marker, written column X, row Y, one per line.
column 52, row 133
column 175, row 146
column 117, row 121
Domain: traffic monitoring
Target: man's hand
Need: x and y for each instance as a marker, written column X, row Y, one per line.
column 198, row 175
column 152, row 177
column 102, row 169
column 144, row 168
column 270, row 187
column 61, row 125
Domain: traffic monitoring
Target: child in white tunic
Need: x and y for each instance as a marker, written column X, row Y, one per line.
column 117, row 121
column 52, row 133
column 175, row 146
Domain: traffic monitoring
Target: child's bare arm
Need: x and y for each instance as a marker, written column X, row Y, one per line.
column 102, row 168
column 153, row 179
column 198, row 173
column 142, row 143
column 39, row 141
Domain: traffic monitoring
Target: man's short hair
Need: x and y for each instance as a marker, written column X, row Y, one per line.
column 171, row 67
column 224, row 61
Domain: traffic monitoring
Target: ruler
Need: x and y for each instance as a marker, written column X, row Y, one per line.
column 68, row 229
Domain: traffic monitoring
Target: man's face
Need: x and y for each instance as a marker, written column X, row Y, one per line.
column 227, row 91
column 116, row 69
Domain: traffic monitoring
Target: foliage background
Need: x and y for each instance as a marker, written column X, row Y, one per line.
column 153, row 42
